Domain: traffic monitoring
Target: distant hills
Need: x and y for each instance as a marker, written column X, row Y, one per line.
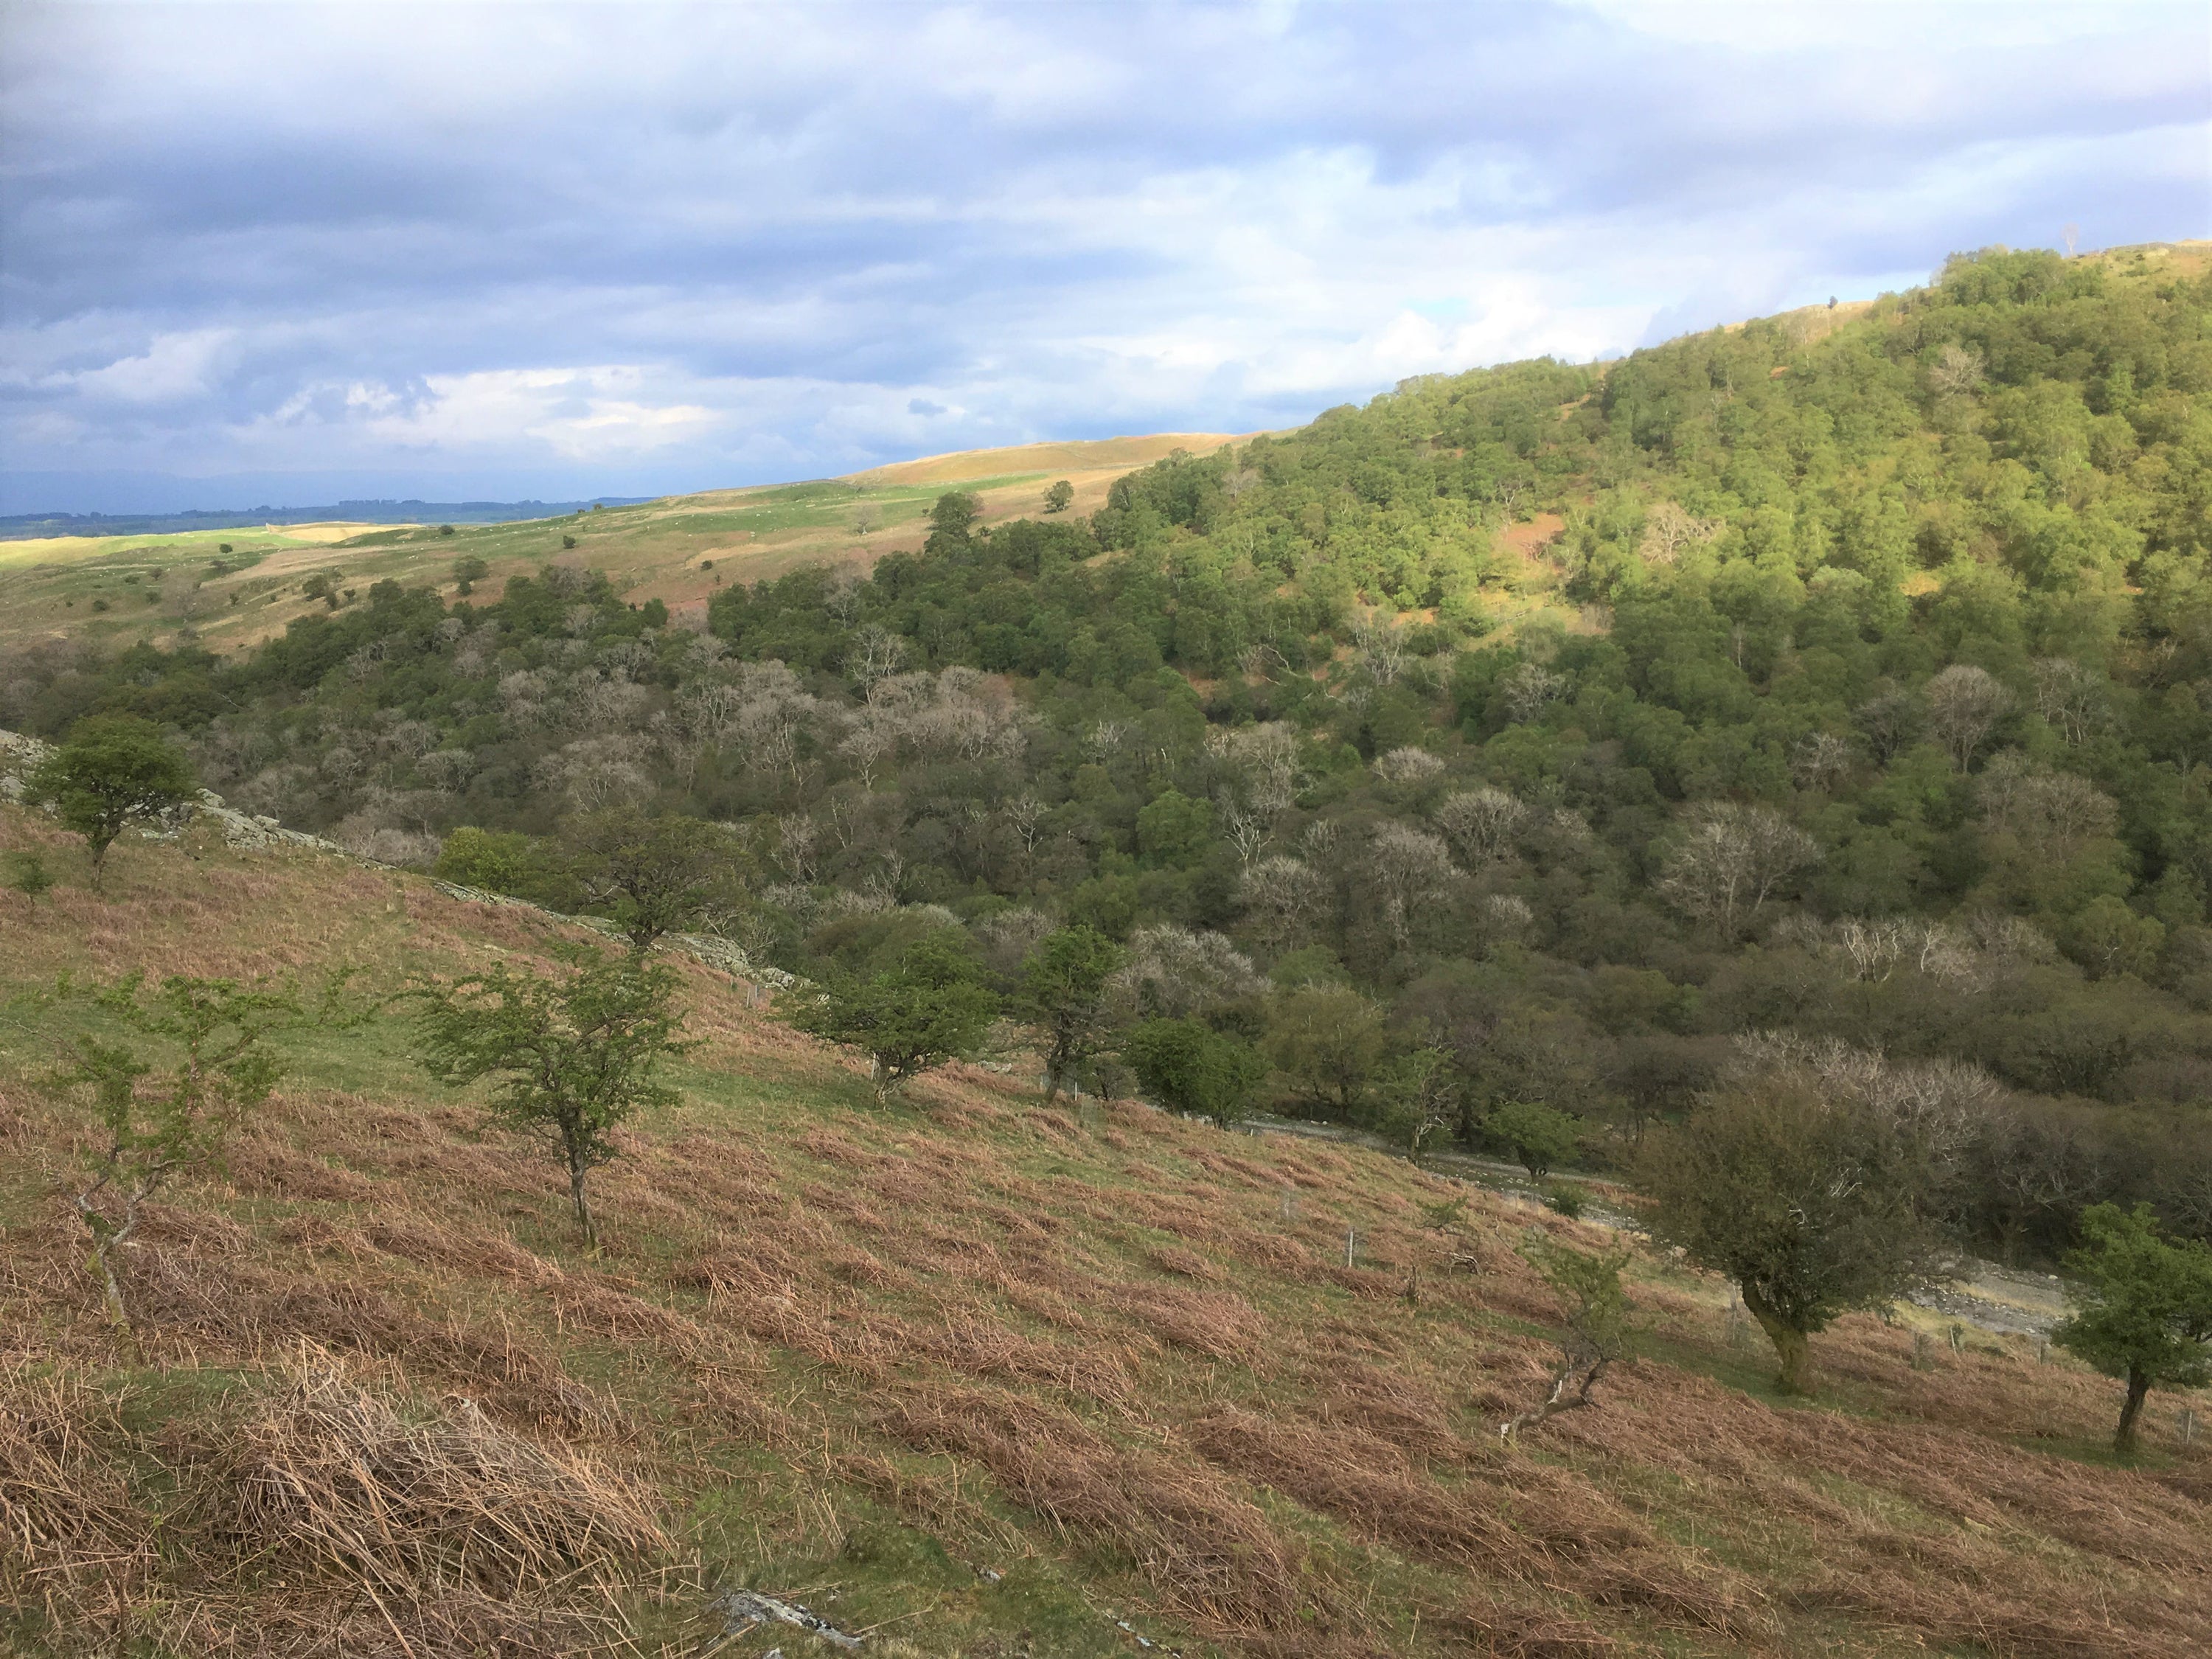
column 27, row 526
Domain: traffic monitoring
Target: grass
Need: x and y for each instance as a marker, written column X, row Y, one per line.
column 868, row 1359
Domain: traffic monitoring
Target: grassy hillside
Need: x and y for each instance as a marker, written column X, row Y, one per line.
column 179, row 587
column 972, row 1375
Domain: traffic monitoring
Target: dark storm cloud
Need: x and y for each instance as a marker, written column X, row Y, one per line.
column 651, row 248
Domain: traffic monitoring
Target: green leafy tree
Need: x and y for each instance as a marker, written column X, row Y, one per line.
column 573, row 1057
column 467, row 573
column 495, row 860
column 653, row 875
column 1063, row 991
column 211, row 1068
column 1418, row 1093
column 1540, row 1135
column 929, row 1007
column 1060, row 497
column 1597, row 1328
column 1173, row 830
column 951, row 516
column 1329, row 1043
column 114, row 770
column 1815, row 1206
column 2108, row 938
column 1188, row 1066
column 28, row 874
column 2142, row 1308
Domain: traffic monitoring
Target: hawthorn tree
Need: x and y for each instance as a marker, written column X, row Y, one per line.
column 1815, row 1201
column 574, row 1058
column 928, row 1007
column 1596, row 1330
column 113, row 771
column 211, row 1068
column 655, row 874
column 2142, row 1308
column 1064, row 992
column 1540, row 1135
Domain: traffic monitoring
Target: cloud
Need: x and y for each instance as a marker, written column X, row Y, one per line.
column 647, row 248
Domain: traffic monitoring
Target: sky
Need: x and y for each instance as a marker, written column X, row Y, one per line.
column 288, row 254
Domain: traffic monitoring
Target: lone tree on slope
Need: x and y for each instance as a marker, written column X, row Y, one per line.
column 168, row 1109
column 574, row 1058
column 931, row 1006
column 1814, row 1202
column 2142, row 1310
column 115, row 771
column 1063, row 991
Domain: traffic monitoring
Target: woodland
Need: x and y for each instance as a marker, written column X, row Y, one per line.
column 1832, row 689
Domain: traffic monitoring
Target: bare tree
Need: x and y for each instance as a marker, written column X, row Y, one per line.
column 1731, row 861
column 1247, row 830
column 1668, row 529
column 1408, row 766
column 1481, row 824
column 2070, row 698
column 1414, row 873
column 1279, row 897
column 1528, row 688
column 1887, row 723
column 594, row 773
column 876, row 654
column 1956, row 372
column 1264, row 761
column 798, row 837
column 1821, row 760
column 2049, row 813
column 1964, row 704
column 1173, row 972
column 1381, row 644
column 774, row 709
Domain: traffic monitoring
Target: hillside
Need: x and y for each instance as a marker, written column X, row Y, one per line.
column 179, row 587
column 1839, row 676
column 969, row 1374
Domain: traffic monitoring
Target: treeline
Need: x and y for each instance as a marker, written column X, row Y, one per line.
column 1563, row 726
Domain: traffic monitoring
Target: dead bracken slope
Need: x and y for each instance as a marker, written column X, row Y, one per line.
column 966, row 1373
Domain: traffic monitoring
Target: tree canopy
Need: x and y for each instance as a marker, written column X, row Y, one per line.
column 2143, row 1308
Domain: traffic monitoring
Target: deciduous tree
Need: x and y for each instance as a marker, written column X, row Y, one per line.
column 1596, row 1331
column 1964, row 704
column 930, row 1007
column 1064, row 990
column 211, row 1068
column 1815, row 1201
column 573, row 1057
column 2142, row 1308
column 114, row 770
column 1731, row 861
column 1188, row 1066
column 656, row 875
column 1539, row 1135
